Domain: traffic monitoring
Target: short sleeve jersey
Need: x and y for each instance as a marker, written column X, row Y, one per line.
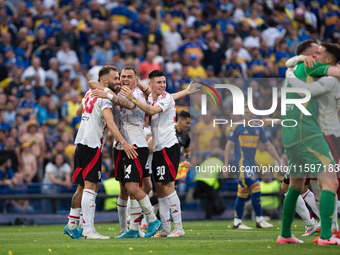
column 131, row 123
column 93, row 129
column 163, row 123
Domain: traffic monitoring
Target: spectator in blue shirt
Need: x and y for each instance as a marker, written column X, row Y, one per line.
column 6, row 172
column 26, row 104
column 40, row 110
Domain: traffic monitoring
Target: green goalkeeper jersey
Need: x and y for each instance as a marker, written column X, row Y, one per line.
column 307, row 125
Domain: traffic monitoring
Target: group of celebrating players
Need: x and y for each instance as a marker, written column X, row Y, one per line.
column 119, row 103
column 125, row 119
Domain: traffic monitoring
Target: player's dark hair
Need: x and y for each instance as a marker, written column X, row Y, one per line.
column 156, row 73
column 302, row 46
column 184, row 114
column 129, row 68
column 106, row 70
column 333, row 49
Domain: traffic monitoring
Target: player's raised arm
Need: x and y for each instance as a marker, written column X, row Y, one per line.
column 128, row 148
column 334, row 71
column 149, row 109
column 143, row 87
column 316, row 88
column 308, row 60
column 192, row 87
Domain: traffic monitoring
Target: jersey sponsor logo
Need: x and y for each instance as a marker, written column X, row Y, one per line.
column 99, row 175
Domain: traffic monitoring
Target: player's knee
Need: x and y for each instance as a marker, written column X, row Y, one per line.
column 297, row 183
column 123, row 194
column 329, row 184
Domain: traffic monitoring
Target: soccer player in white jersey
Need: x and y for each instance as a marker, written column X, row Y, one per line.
column 166, row 150
column 130, row 172
column 96, row 120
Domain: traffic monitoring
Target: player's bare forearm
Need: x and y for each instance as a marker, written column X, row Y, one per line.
column 180, row 94
column 79, row 111
column 96, row 85
column 143, row 87
column 151, row 110
column 334, row 71
column 192, row 88
column 272, row 151
column 123, row 102
column 143, row 106
column 186, row 152
column 107, row 113
column 228, row 148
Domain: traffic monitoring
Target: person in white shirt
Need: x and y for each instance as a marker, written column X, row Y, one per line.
column 172, row 39
column 243, row 56
column 272, row 33
column 57, row 172
column 96, row 120
column 35, row 70
column 66, row 57
column 131, row 172
column 166, row 150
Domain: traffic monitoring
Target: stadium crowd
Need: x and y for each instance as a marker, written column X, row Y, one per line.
column 49, row 50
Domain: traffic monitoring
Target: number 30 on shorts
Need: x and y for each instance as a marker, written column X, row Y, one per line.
column 161, row 172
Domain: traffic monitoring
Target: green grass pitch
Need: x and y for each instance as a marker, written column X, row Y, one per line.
column 202, row 237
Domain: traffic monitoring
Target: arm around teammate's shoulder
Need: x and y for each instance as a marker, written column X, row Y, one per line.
column 334, row 71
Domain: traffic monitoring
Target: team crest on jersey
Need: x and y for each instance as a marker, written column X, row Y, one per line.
column 246, row 132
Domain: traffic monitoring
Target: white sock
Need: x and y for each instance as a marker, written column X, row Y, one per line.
column 338, row 207
column 303, row 212
column 175, row 207
column 237, row 221
column 335, row 225
column 146, row 206
column 135, row 214
column 122, row 208
column 81, row 221
column 259, row 219
column 309, row 198
column 73, row 218
column 88, row 208
column 164, row 212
